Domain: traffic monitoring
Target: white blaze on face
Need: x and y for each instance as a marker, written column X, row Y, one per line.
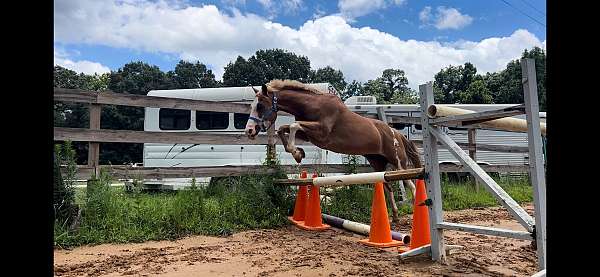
column 251, row 130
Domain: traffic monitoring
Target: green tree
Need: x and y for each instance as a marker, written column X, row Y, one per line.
column 391, row 87
column 329, row 75
column 266, row 65
column 192, row 75
column 353, row 89
column 452, row 81
column 477, row 93
column 133, row 78
column 506, row 85
column 76, row 115
column 138, row 78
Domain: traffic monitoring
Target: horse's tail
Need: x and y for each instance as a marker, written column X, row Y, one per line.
column 411, row 150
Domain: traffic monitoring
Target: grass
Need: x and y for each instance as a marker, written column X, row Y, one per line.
column 112, row 215
column 354, row 202
column 228, row 205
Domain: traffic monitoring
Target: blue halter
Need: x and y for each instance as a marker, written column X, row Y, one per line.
column 261, row 121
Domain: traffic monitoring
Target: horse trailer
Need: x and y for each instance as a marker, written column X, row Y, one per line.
column 190, row 155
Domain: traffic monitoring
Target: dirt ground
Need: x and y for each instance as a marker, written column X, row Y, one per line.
column 290, row 251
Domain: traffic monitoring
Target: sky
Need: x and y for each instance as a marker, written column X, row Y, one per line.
column 359, row 37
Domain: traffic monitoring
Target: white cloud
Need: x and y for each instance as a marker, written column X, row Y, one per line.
column 87, row 67
column 61, row 57
column 318, row 13
column 351, row 9
column 445, row 18
column 425, row 14
column 265, row 3
column 285, row 6
column 212, row 37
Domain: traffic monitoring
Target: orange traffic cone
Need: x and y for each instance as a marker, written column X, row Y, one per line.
column 420, row 233
column 301, row 202
column 380, row 234
column 313, row 220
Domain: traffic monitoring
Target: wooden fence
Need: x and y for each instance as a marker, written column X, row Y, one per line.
column 95, row 135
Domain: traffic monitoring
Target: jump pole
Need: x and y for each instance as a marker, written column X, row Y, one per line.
column 356, row 179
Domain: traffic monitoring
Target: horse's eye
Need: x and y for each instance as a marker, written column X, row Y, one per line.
column 259, row 107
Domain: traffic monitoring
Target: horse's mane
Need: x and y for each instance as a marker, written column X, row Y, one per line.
column 292, row 85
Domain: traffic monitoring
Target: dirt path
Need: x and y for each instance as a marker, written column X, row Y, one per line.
column 292, row 252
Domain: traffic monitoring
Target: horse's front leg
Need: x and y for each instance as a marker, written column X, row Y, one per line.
column 283, row 132
column 306, row 129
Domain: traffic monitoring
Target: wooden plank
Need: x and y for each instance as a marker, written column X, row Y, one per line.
column 381, row 115
column 271, row 142
column 506, row 124
column 536, row 162
column 417, row 120
column 104, row 135
column 486, row 230
column 425, row 249
column 134, row 100
column 510, row 204
column 432, row 178
column 486, row 168
column 473, row 151
column 403, row 119
column 478, row 117
column 95, row 112
column 123, row 171
column 484, row 147
column 541, row 273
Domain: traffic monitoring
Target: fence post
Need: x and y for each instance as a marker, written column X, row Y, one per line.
column 432, row 175
column 536, row 163
column 94, row 147
column 473, row 151
column 271, row 151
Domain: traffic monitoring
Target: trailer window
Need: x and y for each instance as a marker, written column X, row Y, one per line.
column 418, row 126
column 173, row 119
column 240, row 120
column 212, row 120
column 399, row 126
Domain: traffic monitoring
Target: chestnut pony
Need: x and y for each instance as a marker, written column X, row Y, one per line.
column 324, row 120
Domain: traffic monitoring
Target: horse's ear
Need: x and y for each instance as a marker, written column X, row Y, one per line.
column 255, row 90
column 264, row 90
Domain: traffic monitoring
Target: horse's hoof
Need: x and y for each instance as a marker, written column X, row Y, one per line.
column 302, row 152
column 298, row 155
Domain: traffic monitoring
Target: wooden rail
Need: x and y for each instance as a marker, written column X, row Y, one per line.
column 134, row 100
column 125, row 136
column 130, row 172
column 94, row 135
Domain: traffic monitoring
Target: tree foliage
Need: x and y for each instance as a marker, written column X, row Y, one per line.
column 353, row 89
column 391, row 87
column 266, row 65
column 453, row 84
column 451, row 81
column 327, row 74
column 192, row 75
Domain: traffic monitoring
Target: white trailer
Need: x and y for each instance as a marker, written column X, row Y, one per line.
column 186, row 155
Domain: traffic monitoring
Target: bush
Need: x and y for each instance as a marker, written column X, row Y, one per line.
column 65, row 210
column 238, row 203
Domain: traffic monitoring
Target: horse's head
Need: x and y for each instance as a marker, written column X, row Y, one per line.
column 263, row 112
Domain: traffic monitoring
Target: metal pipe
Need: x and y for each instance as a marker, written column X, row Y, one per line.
column 359, row 228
